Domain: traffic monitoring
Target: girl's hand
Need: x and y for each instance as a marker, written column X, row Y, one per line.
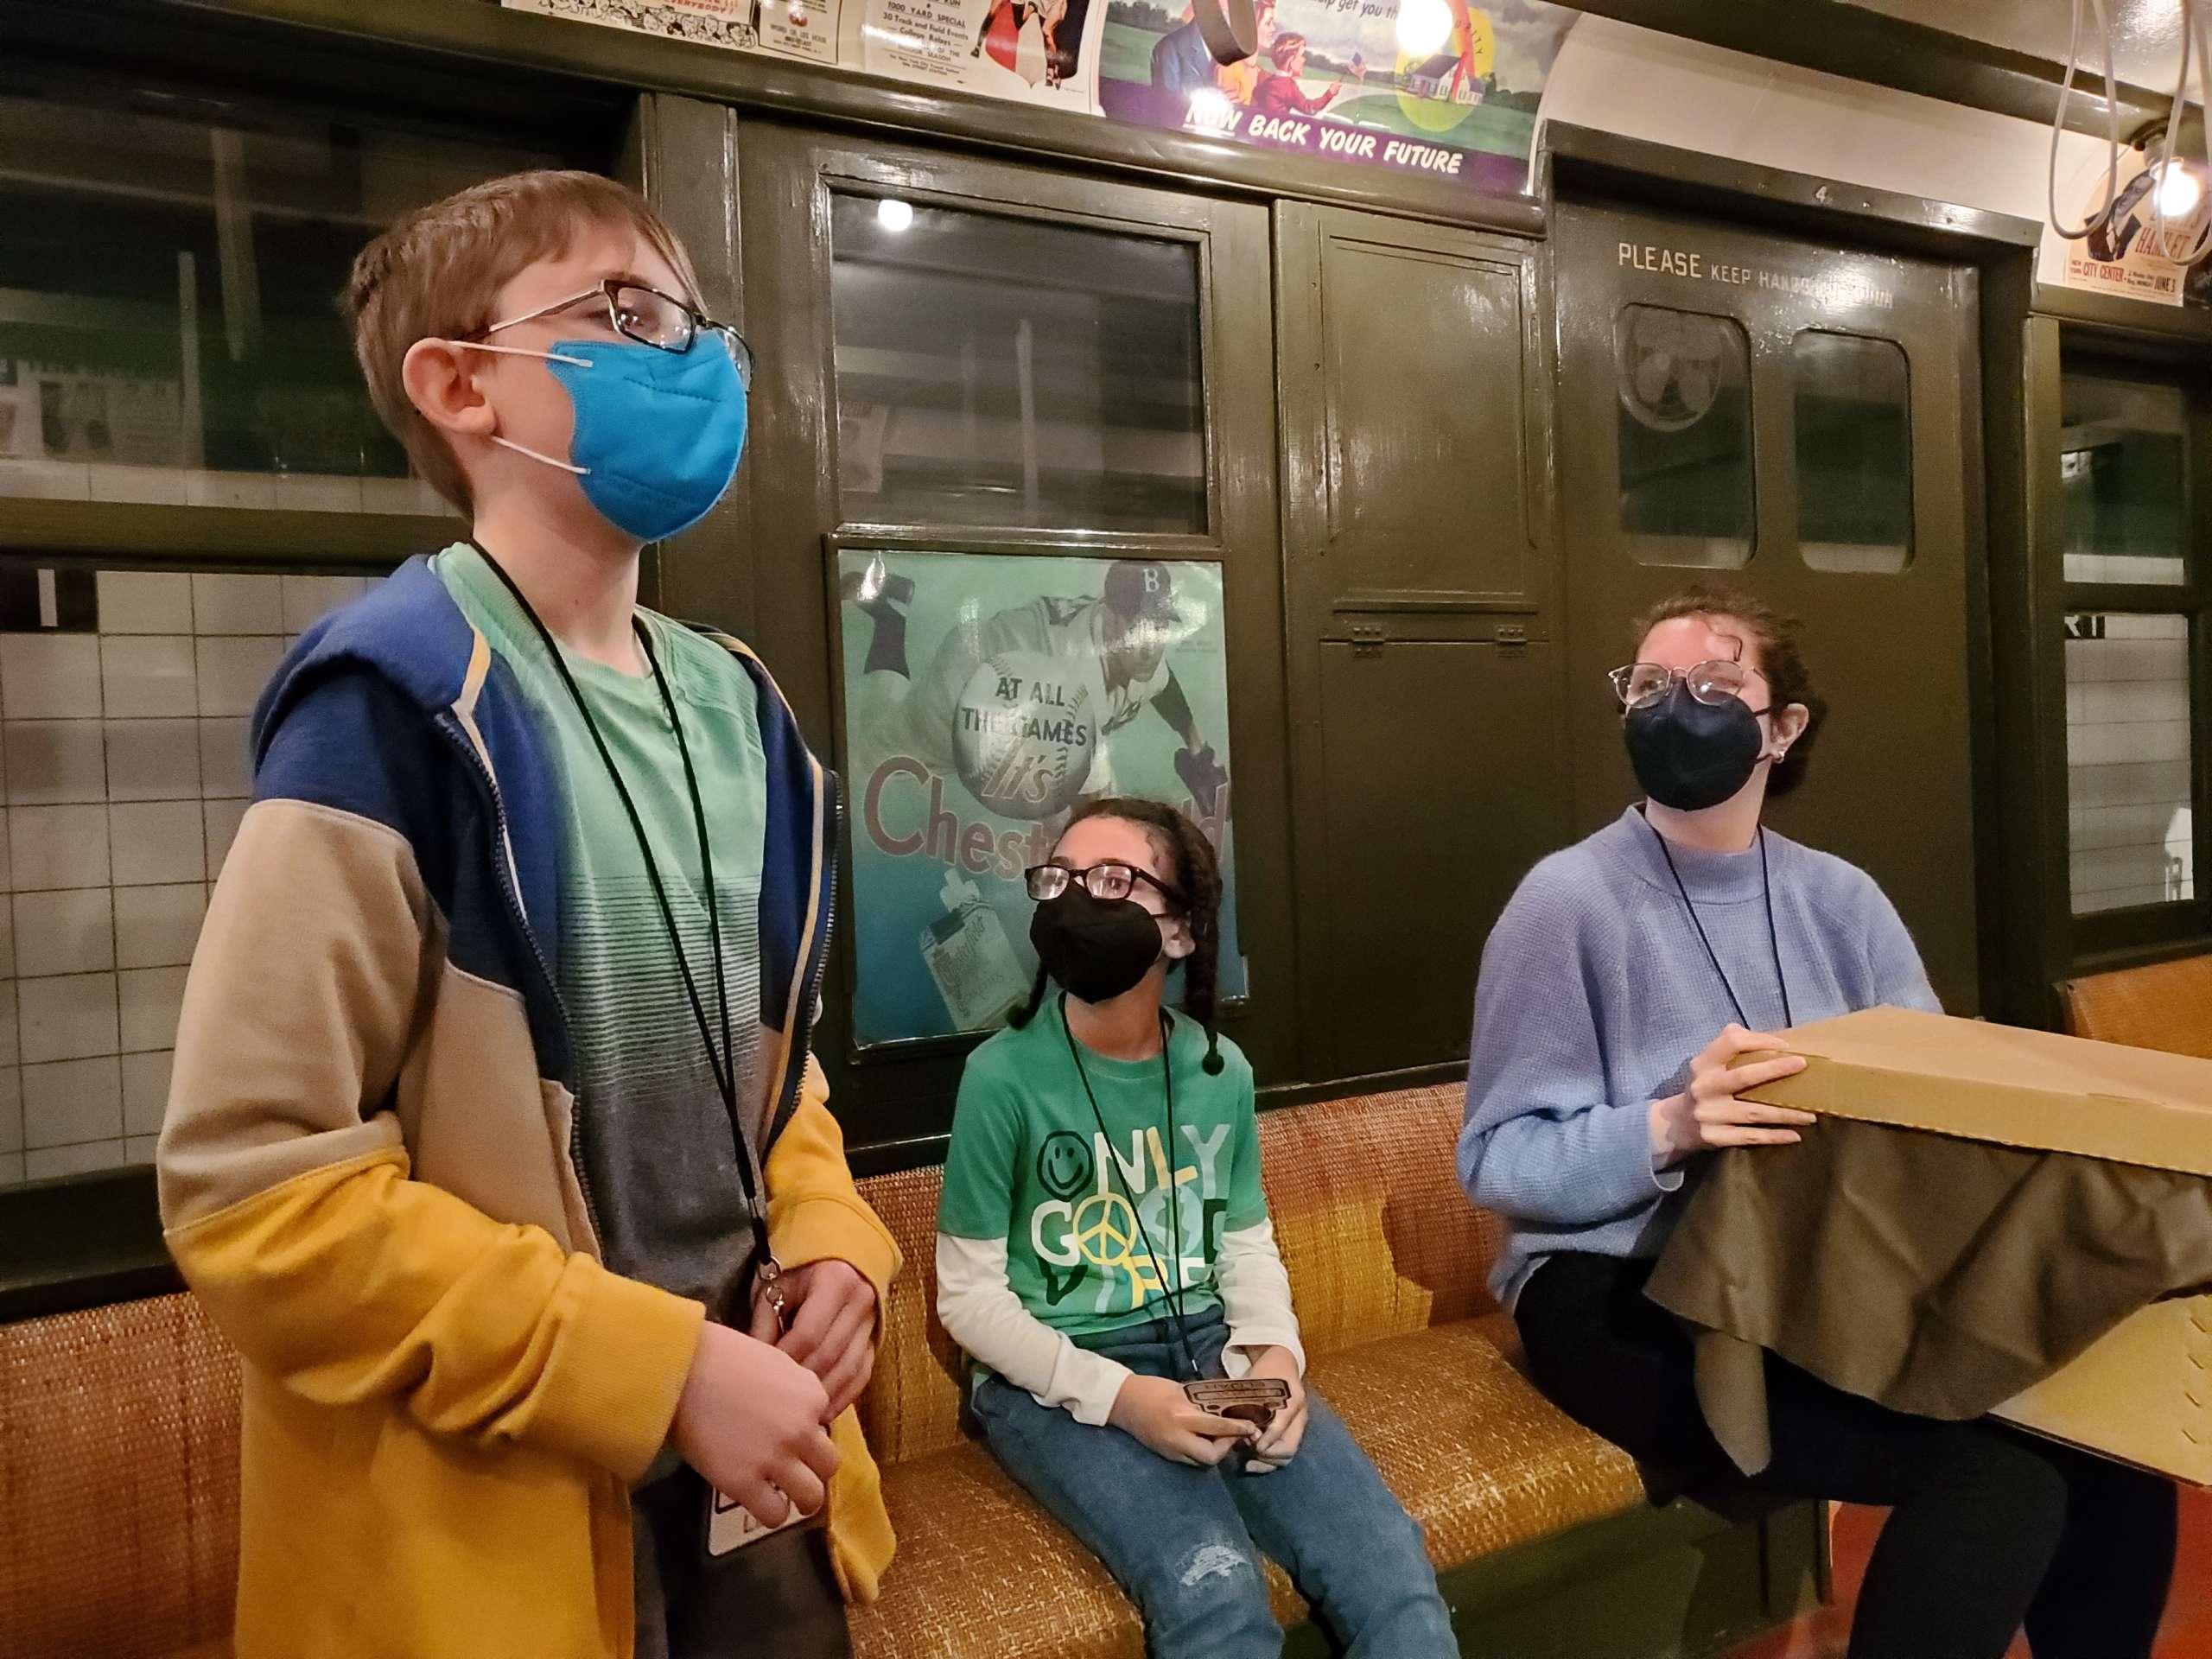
column 1707, row 1115
column 1160, row 1415
column 1279, row 1443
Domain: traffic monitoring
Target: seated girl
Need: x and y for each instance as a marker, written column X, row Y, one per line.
column 1621, row 991
column 1103, row 1241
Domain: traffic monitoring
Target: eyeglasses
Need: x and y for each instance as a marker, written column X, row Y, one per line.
column 1104, row 882
column 1637, row 684
column 650, row 318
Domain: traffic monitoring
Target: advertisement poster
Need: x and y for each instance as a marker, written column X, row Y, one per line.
column 985, row 695
column 1441, row 88
column 1438, row 87
column 801, row 28
column 1029, row 51
column 2127, row 255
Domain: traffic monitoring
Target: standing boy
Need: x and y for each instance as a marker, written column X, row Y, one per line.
column 495, row 1143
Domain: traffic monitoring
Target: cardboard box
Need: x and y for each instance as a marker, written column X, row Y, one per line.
column 2143, row 1394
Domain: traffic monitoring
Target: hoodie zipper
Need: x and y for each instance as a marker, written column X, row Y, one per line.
column 802, row 1037
column 520, row 916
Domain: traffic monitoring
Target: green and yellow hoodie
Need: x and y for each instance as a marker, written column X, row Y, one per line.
column 369, row 1173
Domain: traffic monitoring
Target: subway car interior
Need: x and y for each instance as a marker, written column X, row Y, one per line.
column 849, row 813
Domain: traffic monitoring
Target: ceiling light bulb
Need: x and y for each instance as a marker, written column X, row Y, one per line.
column 1423, row 26
column 2179, row 191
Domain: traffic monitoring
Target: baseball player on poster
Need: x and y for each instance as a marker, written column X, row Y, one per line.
column 1097, row 662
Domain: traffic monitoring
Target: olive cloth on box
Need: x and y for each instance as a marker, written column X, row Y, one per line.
column 1932, row 1275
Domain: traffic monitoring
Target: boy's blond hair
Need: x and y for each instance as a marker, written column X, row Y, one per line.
column 437, row 273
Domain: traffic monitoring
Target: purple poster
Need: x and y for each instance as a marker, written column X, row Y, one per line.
column 1436, row 87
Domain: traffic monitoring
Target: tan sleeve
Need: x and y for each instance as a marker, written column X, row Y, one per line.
column 286, row 1190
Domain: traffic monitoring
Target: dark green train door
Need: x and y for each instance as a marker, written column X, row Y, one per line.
column 1427, row 772
column 1802, row 419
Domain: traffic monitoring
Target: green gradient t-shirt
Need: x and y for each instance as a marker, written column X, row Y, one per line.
column 1028, row 1164
column 654, row 1138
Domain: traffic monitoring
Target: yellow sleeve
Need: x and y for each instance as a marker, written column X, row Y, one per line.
column 286, row 1191
column 815, row 1212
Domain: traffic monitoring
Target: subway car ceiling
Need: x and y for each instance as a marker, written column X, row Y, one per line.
column 1763, row 292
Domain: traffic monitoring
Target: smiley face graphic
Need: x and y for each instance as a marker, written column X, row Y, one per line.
column 1063, row 1164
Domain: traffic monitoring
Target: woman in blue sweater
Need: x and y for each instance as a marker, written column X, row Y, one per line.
column 1626, row 980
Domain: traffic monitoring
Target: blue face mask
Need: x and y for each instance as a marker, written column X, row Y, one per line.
column 658, row 434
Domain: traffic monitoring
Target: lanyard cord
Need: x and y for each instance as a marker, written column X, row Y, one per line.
column 1773, row 939
column 1174, row 1297
column 722, row 1061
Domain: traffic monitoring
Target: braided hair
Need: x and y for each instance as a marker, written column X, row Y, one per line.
column 1196, row 873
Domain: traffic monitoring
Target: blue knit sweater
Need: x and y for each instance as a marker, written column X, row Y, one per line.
column 1595, row 994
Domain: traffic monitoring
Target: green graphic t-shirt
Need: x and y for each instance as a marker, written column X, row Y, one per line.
column 1028, row 1165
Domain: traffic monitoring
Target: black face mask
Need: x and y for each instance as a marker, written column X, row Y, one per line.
column 1690, row 755
column 1094, row 948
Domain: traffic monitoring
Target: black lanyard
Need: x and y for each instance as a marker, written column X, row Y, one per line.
column 1773, row 939
column 721, row 1061
column 1174, row 1296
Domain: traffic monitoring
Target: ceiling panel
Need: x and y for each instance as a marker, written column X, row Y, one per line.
column 2147, row 33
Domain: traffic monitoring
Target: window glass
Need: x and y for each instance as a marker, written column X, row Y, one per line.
column 1851, row 405
column 2129, row 812
column 168, row 331
column 1685, row 426
column 2119, row 464
column 1004, row 371
column 124, row 702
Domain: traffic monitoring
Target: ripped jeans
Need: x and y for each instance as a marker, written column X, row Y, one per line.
column 1185, row 1542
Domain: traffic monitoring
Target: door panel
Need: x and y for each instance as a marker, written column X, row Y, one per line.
column 1860, row 378
column 1427, row 768
column 1410, row 383
column 1442, row 777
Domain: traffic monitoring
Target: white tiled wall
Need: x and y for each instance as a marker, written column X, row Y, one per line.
column 123, row 756
column 2127, row 763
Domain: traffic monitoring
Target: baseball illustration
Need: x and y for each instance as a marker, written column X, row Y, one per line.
column 1024, row 733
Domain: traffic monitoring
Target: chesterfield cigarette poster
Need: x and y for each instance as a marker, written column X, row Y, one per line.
column 985, row 696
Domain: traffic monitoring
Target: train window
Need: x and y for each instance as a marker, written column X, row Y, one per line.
column 2129, row 808
column 1854, row 452
column 1685, row 426
column 2120, row 465
column 995, row 371
column 167, row 332
column 124, row 696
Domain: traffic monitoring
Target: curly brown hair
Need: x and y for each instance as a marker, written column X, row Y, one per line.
column 1775, row 633
column 1197, row 875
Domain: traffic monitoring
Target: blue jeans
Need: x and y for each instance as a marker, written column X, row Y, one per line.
column 1184, row 1542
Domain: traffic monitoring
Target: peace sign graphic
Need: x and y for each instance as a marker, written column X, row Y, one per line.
column 1105, row 1230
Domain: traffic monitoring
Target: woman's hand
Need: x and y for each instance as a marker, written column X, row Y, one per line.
column 1160, row 1414
column 1277, row 1443
column 832, row 1312
column 1707, row 1115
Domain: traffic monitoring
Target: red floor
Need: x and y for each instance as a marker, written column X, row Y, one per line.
column 2187, row 1634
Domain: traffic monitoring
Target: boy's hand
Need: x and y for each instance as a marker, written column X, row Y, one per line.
column 750, row 1421
column 832, row 1312
column 1278, row 1443
column 1160, row 1414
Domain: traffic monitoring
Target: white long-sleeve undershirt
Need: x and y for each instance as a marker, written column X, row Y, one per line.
column 981, row 1313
